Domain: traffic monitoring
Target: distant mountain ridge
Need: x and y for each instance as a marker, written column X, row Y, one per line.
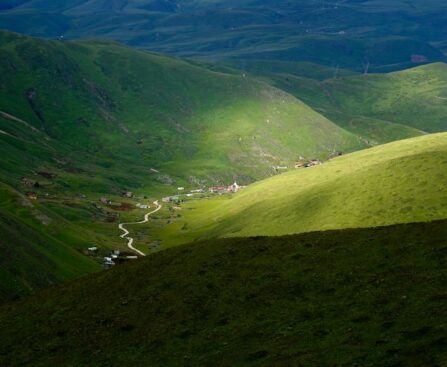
column 385, row 36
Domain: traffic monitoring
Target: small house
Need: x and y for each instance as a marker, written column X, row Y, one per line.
column 105, row 201
column 27, row 182
column 233, row 188
column 31, row 195
column 314, row 162
column 218, row 189
column 416, row 59
column 300, row 164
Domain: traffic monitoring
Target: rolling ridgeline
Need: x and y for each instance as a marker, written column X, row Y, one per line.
column 376, row 34
column 93, row 118
column 378, row 107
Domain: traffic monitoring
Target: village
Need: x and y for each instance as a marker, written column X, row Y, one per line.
column 115, row 257
column 230, row 189
column 111, row 208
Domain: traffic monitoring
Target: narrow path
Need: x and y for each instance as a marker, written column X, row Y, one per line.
column 126, row 232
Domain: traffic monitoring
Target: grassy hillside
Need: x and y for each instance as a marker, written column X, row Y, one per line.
column 352, row 34
column 32, row 255
column 124, row 108
column 399, row 182
column 364, row 297
column 379, row 107
column 91, row 119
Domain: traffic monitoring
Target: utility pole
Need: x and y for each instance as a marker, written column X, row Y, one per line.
column 367, row 68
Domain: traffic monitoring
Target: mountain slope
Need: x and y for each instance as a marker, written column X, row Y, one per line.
column 364, row 297
column 80, row 121
column 380, row 107
column 32, row 256
column 400, row 182
column 129, row 108
column 352, row 34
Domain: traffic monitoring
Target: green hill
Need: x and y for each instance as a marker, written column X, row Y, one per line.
column 90, row 119
column 379, row 107
column 123, row 108
column 32, row 256
column 400, row 182
column 366, row 297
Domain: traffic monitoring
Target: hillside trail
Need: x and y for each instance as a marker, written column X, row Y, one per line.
column 130, row 240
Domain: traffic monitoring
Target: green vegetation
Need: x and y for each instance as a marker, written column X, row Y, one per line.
column 90, row 119
column 128, row 111
column 367, row 297
column 351, row 34
column 35, row 247
column 91, row 129
column 400, row 182
column 379, row 107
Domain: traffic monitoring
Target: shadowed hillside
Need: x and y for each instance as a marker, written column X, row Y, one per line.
column 364, row 297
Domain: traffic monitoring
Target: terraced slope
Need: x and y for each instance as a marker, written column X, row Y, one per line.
column 400, row 182
column 371, row 297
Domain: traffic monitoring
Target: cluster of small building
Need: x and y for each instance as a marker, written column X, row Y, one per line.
column 171, row 199
column 30, row 183
column 114, row 258
column 142, row 206
column 233, row 188
column 176, row 199
column 306, row 163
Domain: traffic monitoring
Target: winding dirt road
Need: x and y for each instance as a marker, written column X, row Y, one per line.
column 130, row 240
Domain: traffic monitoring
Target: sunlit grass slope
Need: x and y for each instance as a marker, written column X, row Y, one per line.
column 88, row 119
column 121, row 108
column 365, row 297
column 404, row 181
column 379, row 107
